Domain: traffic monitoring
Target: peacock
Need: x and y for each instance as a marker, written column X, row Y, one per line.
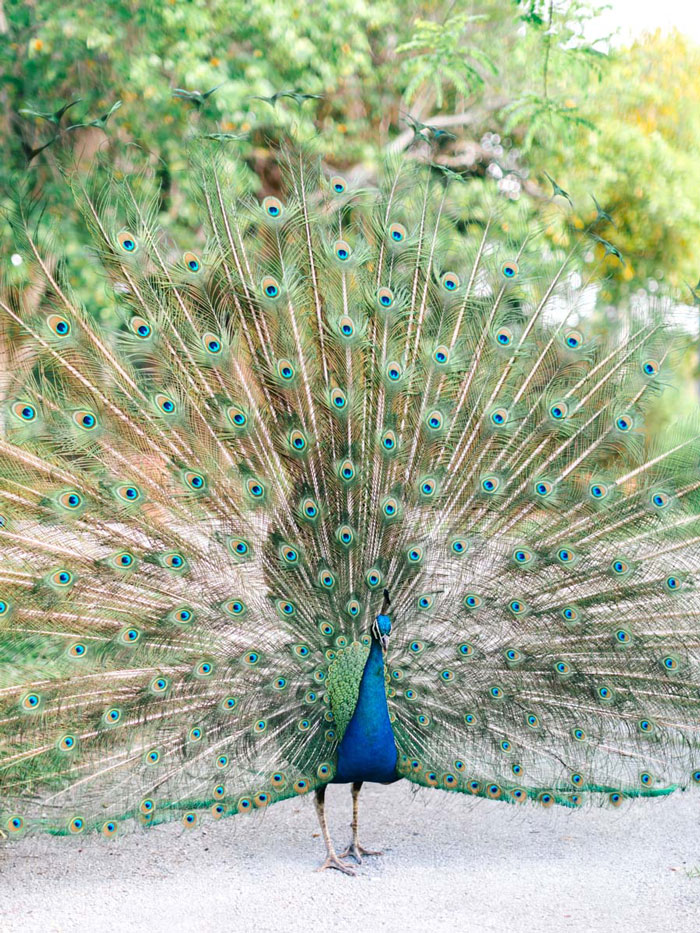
column 350, row 488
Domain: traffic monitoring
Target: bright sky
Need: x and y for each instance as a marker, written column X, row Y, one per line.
column 634, row 16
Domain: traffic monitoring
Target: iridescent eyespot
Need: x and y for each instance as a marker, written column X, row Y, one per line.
column 112, row 716
column 123, row 560
column 222, row 762
column 309, row 509
column 558, row 411
column 270, row 287
column 513, row 655
column 373, row 578
column 58, row 325
column 425, row 601
column 326, row 579
column 510, row 269
column 619, row 566
column 673, row 583
column 286, row 370
column 450, row 281
column 325, row 628
column 646, row 779
column 87, row 420
column 174, row 561
column 434, row 420
column 194, row 481
column 109, row 828
column 496, row 693
column 346, row 326
column 212, row 344
column 346, row 471
column 289, row 554
column 228, row 704
column 397, row 233
column 61, row 578
column 342, row 250
column 195, row 734
column 622, row 636
column 352, row 607
column 517, row 606
column 472, row 601
column 441, row 355
column 624, row 423
column 130, row 636
column 152, row 756
column 255, row 488
column 76, row 825
column 670, row 663
column 160, row 684
column 499, row 417
column 389, row 440
column 302, row 651
column 182, row 616
column 140, row 327
column 385, row 298
column 204, row 669
column 127, row 241
column 598, row 490
column 543, row 488
column 165, row 404
column 31, row 701
column 338, row 184
column 459, row 546
column 646, row 726
column 390, row 507
column 70, row 500
column 573, row 339
column 301, row 786
column 616, row 799
column 189, row 819
column 191, row 261
column 4, row 607
column 562, row 668
column 523, row 556
column 339, row 399
column 286, row 608
column 532, row 721
column 24, row 411
column 447, row 675
column 604, row 693
column 272, row 206
column 128, row 493
column 147, row 806
column 490, row 484
column 414, row 555
column 77, row 650
column 578, row 734
column 566, row 555
column 650, row 367
column 238, row 547
column 393, row 371
column 570, row 614
column 428, row 487
column 236, row 416
column 660, row 500
column 416, row 647
column 545, row 799
column 245, row 804
column 504, row 337
column 345, row 535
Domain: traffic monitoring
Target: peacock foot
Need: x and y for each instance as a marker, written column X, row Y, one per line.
column 332, row 861
column 356, row 851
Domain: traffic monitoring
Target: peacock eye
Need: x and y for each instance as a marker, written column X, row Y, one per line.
column 342, row 250
column 270, row 287
column 272, row 207
column 450, row 281
column 509, row 269
column 58, row 325
column 397, row 233
column 338, row 184
column 191, row 261
column 385, row 297
column 127, row 241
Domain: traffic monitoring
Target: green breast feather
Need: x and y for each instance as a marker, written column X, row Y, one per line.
column 344, row 676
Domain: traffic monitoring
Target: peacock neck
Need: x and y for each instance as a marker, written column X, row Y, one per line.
column 367, row 751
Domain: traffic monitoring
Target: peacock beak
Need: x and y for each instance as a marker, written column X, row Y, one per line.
column 384, row 639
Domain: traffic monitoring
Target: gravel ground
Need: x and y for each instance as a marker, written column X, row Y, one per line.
column 450, row 863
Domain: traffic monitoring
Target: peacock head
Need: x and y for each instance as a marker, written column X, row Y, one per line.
column 381, row 628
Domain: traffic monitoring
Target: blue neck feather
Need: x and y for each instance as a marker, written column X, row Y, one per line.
column 367, row 751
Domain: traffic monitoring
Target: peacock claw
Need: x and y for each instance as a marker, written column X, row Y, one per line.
column 332, row 861
column 356, row 851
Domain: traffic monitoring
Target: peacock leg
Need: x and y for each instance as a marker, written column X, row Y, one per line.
column 355, row 850
column 332, row 860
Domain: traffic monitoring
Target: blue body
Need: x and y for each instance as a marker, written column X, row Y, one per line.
column 367, row 751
